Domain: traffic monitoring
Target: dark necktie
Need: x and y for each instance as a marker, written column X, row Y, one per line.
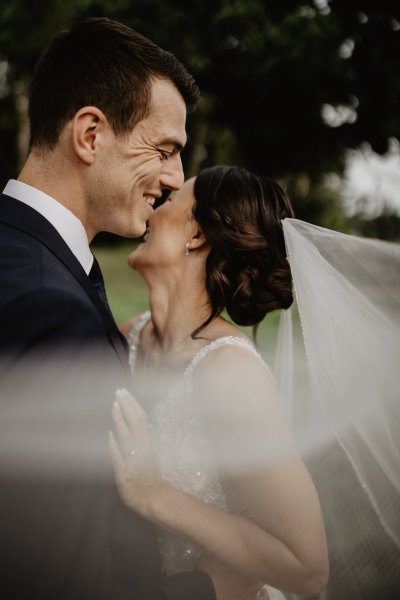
column 96, row 278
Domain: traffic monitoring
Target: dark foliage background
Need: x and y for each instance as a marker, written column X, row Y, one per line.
column 269, row 71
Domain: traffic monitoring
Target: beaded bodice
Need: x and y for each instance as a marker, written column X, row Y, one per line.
column 182, row 447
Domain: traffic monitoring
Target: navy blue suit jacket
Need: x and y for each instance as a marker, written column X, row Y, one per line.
column 63, row 532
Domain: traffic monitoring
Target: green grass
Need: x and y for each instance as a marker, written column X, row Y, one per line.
column 127, row 293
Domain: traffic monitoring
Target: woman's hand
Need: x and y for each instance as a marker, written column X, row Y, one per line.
column 136, row 472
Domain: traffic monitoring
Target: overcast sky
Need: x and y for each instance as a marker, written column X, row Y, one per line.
column 374, row 177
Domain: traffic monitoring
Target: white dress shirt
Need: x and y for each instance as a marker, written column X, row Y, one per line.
column 63, row 220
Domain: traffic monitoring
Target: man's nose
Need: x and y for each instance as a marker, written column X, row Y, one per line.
column 172, row 174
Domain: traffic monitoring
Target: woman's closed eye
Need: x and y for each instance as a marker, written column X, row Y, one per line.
column 160, row 201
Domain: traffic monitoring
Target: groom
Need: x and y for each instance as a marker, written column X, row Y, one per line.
column 107, row 114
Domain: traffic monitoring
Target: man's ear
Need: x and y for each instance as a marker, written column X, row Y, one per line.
column 87, row 124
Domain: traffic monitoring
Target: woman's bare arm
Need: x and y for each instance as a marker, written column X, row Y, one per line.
column 275, row 533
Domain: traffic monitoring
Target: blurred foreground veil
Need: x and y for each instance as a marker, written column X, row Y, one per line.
column 339, row 372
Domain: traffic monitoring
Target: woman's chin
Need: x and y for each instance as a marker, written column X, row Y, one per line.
column 133, row 259
column 138, row 259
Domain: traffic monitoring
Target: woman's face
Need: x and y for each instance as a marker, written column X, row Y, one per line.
column 169, row 229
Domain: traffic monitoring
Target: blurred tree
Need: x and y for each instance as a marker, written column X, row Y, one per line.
column 288, row 85
column 25, row 28
column 386, row 226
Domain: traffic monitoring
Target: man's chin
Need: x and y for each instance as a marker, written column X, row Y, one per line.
column 136, row 231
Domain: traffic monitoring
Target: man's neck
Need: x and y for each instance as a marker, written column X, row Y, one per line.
column 44, row 172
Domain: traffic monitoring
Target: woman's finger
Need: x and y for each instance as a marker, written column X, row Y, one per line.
column 135, row 419
column 131, row 410
column 117, row 459
column 125, row 439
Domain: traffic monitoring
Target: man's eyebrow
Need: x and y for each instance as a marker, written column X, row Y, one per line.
column 175, row 142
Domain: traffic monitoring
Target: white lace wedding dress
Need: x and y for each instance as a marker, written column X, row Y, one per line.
column 183, row 450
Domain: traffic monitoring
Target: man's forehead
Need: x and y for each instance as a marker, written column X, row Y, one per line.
column 167, row 103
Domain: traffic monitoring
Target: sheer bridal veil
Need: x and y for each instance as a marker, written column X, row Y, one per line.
column 339, row 372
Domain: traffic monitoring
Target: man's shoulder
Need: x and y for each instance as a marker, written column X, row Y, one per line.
column 24, row 258
column 24, row 233
column 18, row 246
column 38, row 315
column 31, row 273
column 15, row 238
column 21, row 258
column 12, row 211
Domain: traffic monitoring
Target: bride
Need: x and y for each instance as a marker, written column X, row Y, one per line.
column 207, row 455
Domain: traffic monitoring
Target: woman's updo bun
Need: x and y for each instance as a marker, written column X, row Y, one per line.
column 240, row 215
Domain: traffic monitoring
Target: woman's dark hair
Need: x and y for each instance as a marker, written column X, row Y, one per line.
column 240, row 215
column 102, row 63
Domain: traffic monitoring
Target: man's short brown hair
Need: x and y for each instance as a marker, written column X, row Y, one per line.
column 101, row 63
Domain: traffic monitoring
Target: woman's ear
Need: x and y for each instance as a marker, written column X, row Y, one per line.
column 87, row 125
column 197, row 239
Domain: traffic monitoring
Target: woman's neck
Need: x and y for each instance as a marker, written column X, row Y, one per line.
column 177, row 309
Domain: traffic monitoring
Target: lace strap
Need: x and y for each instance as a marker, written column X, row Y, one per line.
column 222, row 341
column 134, row 336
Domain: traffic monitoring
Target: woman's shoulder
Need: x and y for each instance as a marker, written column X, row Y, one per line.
column 221, row 328
column 230, row 351
column 233, row 384
column 229, row 354
column 225, row 338
column 134, row 324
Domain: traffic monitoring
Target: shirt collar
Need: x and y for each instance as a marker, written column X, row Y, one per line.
column 63, row 220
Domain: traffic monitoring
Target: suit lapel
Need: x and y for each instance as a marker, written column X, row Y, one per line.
column 24, row 218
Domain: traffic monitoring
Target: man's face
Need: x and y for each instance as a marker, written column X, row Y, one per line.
column 132, row 170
